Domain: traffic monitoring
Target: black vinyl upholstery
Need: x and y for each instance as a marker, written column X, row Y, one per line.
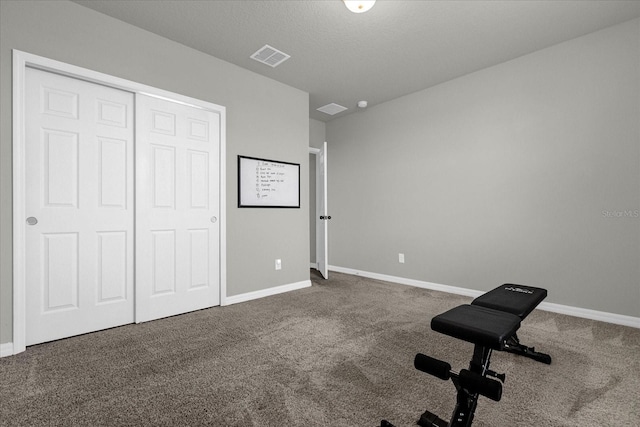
column 515, row 299
column 477, row 325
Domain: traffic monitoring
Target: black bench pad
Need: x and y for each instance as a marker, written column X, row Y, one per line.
column 515, row 299
column 477, row 325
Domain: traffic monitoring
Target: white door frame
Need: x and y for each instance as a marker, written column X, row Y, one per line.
column 314, row 152
column 320, row 195
column 22, row 60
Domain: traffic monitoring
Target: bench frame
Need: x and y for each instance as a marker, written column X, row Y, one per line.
column 490, row 322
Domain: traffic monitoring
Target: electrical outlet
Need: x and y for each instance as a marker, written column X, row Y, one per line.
column 278, row 264
column 401, row 258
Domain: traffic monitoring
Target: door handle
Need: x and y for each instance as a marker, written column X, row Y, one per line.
column 32, row 220
column 325, row 217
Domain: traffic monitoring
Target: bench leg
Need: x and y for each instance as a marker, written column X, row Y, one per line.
column 466, row 402
column 480, row 361
column 514, row 346
column 429, row 419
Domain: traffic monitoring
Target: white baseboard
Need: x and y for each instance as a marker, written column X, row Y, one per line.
column 313, row 265
column 602, row 316
column 409, row 282
column 6, row 349
column 235, row 299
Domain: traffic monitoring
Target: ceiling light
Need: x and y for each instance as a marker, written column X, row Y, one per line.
column 359, row 6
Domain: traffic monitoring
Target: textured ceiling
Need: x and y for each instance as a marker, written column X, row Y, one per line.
column 396, row 48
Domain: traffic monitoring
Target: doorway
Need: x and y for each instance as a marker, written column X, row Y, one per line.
column 319, row 217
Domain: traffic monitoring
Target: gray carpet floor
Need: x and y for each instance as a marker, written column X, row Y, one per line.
column 339, row 353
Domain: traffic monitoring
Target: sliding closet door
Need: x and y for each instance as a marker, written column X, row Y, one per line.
column 177, row 208
column 79, row 207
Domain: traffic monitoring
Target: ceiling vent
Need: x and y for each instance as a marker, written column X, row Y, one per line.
column 270, row 56
column 332, row 109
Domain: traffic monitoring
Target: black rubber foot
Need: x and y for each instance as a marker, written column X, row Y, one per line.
column 529, row 352
column 544, row 358
column 431, row 420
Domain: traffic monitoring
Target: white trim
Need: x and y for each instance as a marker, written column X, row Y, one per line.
column 22, row 60
column 40, row 62
column 602, row 316
column 313, row 265
column 409, row 282
column 235, row 299
column 6, row 349
column 19, row 228
column 223, row 206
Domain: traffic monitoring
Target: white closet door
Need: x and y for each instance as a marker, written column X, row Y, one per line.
column 79, row 204
column 177, row 208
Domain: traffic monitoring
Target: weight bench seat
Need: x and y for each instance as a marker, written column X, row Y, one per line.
column 478, row 325
column 515, row 299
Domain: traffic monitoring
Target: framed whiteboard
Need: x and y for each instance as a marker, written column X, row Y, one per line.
column 264, row 183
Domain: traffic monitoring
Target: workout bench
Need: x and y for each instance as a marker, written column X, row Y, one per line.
column 490, row 323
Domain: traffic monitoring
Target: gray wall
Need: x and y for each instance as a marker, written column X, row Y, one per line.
column 264, row 119
column 521, row 173
column 317, row 133
column 316, row 140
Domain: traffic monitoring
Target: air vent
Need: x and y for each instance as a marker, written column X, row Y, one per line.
column 270, row 56
column 332, row 109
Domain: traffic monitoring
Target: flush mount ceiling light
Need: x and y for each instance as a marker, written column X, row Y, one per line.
column 359, row 6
